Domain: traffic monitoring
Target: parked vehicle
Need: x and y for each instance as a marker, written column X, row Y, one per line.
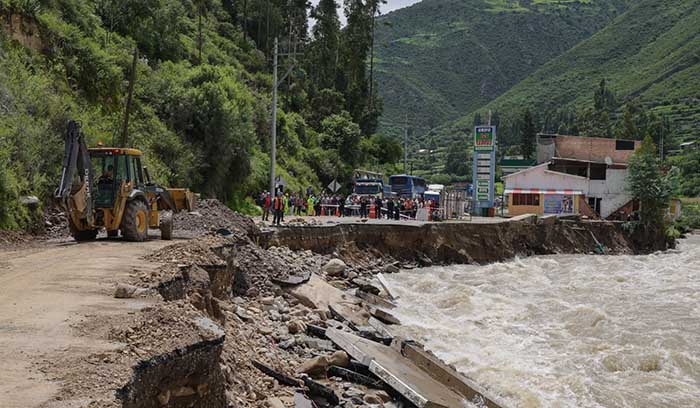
column 406, row 186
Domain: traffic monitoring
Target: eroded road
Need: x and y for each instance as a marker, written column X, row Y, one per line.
column 45, row 294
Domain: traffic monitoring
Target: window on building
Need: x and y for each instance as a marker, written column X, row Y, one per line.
column 526, row 199
column 598, row 172
column 624, row 145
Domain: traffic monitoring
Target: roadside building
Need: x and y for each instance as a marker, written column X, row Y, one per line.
column 514, row 164
column 575, row 175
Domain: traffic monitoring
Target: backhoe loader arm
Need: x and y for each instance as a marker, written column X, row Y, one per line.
column 76, row 161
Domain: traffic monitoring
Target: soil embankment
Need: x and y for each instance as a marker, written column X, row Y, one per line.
column 456, row 242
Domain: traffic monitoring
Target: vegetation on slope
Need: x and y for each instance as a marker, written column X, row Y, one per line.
column 440, row 59
column 202, row 94
column 636, row 77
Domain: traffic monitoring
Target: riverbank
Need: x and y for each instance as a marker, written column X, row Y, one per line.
column 253, row 308
column 456, row 242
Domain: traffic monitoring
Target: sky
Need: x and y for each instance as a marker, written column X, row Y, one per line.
column 390, row 5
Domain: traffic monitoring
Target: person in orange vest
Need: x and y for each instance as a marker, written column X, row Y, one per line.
column 277, row 209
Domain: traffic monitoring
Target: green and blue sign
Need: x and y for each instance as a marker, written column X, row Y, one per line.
column 484, row 168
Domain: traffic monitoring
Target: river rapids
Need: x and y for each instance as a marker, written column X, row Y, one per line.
column 565, row 330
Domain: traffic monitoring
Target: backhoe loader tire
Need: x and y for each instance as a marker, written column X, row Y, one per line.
column 81, row 235
column 135, row 221
column 166, row 225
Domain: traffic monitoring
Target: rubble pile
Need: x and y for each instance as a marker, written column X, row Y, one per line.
column 280, row 334
column 287, row 316
column 55, row 223
column 258, row 271
column 149, row 334
column 211, row 215
column 195, row 251
column 159, row 330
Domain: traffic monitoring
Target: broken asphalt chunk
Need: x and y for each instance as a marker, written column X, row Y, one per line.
column 352, row 376
column 281, row 378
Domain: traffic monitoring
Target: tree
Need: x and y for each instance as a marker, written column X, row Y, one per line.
column 647, row 184
column 357, row 44
column 325, row 48
column 456, row 161
column 477, row 119
column 604, row 99
column 528, row 136
column 340, row 133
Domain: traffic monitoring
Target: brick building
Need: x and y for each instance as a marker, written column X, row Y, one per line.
column 575, row 175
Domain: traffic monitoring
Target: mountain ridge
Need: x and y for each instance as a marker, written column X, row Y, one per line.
column 423, row 68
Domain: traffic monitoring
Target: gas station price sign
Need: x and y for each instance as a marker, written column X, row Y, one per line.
column 484, row 138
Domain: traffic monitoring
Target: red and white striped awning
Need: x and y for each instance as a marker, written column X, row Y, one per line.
column 542, row 191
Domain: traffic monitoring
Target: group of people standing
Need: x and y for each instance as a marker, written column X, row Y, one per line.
column 297, row 204
column 316, row 205
column 392, row 208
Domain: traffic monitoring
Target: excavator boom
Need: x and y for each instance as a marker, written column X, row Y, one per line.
column 76, row 162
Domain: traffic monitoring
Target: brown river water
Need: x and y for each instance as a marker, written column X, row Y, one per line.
column 565, row 330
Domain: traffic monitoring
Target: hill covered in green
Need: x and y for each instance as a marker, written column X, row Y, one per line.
column 202, row 93
column 440, row 59
column 649, row 58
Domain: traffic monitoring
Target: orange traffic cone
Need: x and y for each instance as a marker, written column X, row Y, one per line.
column 372, row 211
column 323, row 212
column 337, row 211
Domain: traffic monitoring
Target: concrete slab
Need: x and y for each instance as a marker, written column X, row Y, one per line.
column 374, row 299
column 380, row 327
column 448, row 376
column 385, row 286
column 319, row 294
column 383, row 315
column 398, row 372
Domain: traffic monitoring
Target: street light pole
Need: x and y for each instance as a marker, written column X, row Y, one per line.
column 273, row 131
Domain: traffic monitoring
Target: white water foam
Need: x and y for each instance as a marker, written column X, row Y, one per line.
column 565, row 330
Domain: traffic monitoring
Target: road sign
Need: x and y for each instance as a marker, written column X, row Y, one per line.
column 334, row 186
column 484, row 167
column 279, row 181
column 484, row 138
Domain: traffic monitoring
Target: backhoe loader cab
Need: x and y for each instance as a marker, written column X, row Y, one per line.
column 108, row 187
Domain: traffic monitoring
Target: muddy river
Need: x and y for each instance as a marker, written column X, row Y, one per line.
column 566, row 330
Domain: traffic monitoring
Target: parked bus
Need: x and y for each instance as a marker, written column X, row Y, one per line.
column 407, row 186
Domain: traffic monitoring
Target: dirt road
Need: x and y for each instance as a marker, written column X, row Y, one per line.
column 45, row 295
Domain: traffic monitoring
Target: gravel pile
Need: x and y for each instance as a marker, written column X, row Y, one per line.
column 256, row 269
column 55, row 224
column 212, row 215
column 197, row 251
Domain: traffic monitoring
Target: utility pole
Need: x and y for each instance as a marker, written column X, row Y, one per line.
column 405, row 144
column 276, row 82
column 371, row 60
column 127, row 108
column 273, row 131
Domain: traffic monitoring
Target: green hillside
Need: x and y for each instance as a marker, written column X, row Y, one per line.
column 439, row 59
column 202, row 93
column 650, row 54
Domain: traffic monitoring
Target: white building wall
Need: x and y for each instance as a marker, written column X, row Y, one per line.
column 540, row 177
column 611, row 191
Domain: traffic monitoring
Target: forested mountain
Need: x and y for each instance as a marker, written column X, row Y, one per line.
column 202, row 95
column 441, row 59
column 637, row 76
column 649, row 58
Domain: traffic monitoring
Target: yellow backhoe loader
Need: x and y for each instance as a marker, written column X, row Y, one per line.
column 122, row 198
